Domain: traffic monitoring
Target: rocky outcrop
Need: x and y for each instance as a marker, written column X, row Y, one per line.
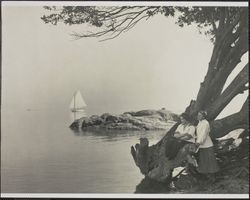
column 141, row 120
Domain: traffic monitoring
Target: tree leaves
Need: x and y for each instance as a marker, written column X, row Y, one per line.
column 116, row 20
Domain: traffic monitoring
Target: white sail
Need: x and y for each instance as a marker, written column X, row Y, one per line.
column 77, row 102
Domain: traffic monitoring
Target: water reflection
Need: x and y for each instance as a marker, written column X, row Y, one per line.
column 119, row 135
column 125, row 138
column 106, row 136
column 150, row 186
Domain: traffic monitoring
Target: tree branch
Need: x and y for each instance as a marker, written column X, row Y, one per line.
column 124, row 23
column 222, row 127
column 230, row 27
column 221, row 25
column 236, row 87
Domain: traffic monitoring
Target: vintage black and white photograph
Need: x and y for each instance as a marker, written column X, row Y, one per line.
column 125, row 98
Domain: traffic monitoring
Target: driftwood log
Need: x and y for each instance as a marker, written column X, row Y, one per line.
column 152, row 160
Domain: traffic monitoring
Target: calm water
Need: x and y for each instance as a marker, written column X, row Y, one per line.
column 40, row 154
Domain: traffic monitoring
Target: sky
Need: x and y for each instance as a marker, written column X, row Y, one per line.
column 154, row 65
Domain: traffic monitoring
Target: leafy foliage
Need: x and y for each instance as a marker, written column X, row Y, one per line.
column 115, row 20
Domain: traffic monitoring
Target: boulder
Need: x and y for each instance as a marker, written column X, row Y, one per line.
column 103, row 116
column 112, row 118
column 96, row 120
column 86, row 123
column 167, row 115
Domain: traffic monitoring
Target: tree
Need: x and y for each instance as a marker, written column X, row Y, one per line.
column 227, row 28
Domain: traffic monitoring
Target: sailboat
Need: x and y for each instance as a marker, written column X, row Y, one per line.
column 77, row 105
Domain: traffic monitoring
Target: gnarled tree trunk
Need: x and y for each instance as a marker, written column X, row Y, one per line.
column 231, row 43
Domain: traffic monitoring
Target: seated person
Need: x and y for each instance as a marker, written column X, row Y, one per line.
column 185, row 131
column 184, row 134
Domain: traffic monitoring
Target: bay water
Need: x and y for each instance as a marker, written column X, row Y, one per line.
column 41, row 154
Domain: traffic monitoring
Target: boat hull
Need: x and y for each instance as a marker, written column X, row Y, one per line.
column 77, row 110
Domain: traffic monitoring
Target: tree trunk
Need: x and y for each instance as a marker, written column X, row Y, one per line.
column 224, row 59
column 229, row 47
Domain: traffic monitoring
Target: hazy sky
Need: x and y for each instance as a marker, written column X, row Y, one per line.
column 157, row 64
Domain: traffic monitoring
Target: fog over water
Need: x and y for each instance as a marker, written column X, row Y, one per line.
column 157, row 64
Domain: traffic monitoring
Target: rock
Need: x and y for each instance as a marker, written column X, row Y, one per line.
column 96, row 120
column 130, row 113
column 119, row 126
column 74, row 125
column 145, row 113
column 148, row 185
column 185, row 182
column 156, row 116
column 112, row 118
column 77, row 123
column 92, row 121
column 86, row 123
column 103, row 116
column 125, row 117
column 141, row 120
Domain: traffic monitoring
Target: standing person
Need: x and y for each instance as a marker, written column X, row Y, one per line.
column 207, row 163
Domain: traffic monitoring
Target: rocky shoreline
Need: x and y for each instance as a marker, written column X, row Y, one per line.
column 233, row 177
column 140, row 120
